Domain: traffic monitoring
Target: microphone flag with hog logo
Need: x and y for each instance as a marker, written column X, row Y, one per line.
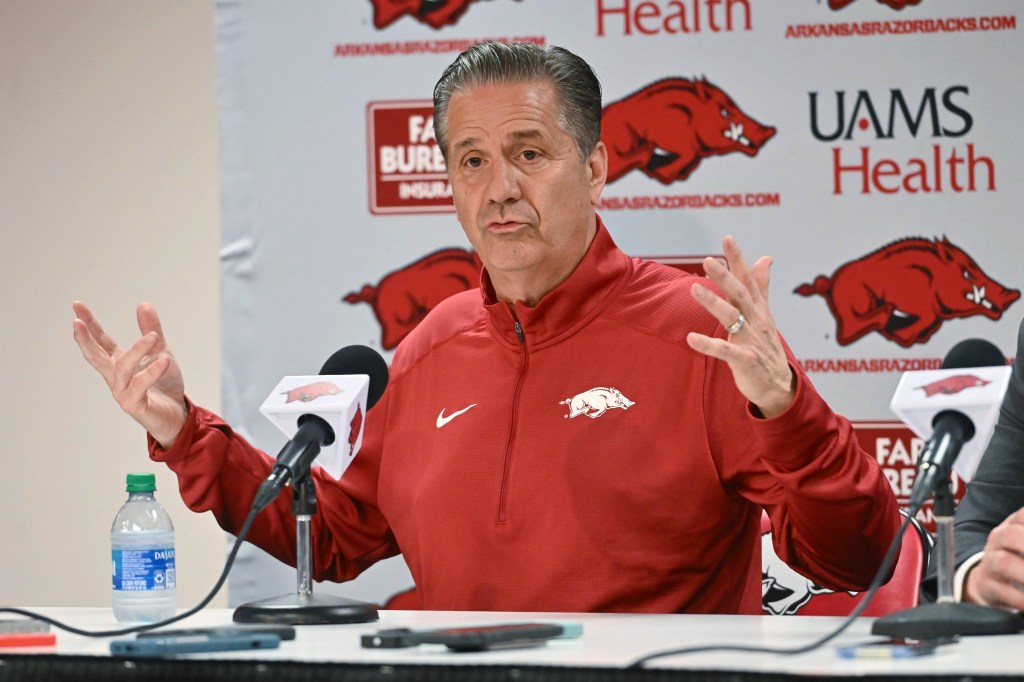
column 954, row 409
column 323, row 415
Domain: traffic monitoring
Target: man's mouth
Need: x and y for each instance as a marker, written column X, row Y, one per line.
column 504, row 225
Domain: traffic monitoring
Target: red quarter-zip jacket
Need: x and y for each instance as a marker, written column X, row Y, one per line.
column 575, row 456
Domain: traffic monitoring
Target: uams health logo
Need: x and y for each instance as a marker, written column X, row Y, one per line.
column 667, row 128
column 407, row 172
column 906, row 290
column 433, row 13
column 853, row 121
column 895, row 4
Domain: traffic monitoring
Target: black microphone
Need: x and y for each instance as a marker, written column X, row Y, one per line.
column 314, row 432
column 360, row 360
column 951, row 428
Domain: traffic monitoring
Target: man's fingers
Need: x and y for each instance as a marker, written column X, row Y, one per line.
column 753, row 350
column 992, row 593
column 736, row 293
column 149, row 321
column 127, row 364
column 1006, row 564
column 1007, row 536
column 737, row 263
column 722, row 310
column 715, row 347
column 999, row 579
column 1016, row 517
column 760, row 273
column 704, row 344
column 739, row 267
column 91, row 351
column 105, row 341
column 995, row 592
column 135, row 391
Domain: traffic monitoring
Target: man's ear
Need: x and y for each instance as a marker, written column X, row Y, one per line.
column 597, row 169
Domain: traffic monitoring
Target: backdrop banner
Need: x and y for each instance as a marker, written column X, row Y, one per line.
column 866, row 145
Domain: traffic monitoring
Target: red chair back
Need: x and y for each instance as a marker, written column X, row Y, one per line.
column 406, row 600
column 786, row 592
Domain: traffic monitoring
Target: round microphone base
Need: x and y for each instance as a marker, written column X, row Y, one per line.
column 306, row 609
column 929, row 621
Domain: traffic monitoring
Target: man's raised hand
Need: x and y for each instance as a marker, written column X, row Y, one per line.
column 143, row 378
column 753, row 349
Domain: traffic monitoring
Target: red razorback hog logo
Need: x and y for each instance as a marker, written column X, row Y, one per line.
column 670, row 126
column 895, row 4
column 354, row 428
column 906, row 290
column 953, row 385
column 433, row 13
column 311, row 392
column 404, row 297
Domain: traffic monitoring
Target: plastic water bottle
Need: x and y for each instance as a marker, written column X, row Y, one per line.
column 142, row 553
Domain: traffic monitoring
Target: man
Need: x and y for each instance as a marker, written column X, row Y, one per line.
column 989, row 522
column 585, row 432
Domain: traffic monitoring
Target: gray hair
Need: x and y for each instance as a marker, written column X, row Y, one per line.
column 575, row 83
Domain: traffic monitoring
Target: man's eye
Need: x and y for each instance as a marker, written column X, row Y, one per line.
column 474, row 161
column 530, row 155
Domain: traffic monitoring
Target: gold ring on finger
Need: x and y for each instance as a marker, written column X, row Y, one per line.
column 736, row 326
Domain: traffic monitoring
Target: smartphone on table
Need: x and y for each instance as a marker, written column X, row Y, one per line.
column 473, row 638
column 285, row 632
column 194, row 643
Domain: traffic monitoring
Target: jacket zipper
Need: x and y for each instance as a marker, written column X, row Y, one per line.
column 510, row 446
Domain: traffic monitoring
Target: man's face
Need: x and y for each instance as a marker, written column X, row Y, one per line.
column 522, row 195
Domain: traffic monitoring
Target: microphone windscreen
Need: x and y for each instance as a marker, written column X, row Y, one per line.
column 360, row 360
column 973, row 353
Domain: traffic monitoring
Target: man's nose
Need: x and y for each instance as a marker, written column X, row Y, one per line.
column 503, row 182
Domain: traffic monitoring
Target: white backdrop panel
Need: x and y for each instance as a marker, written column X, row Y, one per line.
column 297, row 83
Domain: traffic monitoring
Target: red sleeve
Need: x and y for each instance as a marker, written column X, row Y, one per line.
column 832, row 510
column 219, row 471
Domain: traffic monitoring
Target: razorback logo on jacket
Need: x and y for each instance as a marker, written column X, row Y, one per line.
column 433, row 13
column 595, row 402
column 667, row 128
column 952, row 385
column 311, row 392
column 906, row 290
column 403, row 297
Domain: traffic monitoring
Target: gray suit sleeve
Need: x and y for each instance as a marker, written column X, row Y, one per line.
column 998, row 486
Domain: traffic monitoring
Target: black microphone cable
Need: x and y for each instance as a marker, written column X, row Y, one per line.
column 878, row 581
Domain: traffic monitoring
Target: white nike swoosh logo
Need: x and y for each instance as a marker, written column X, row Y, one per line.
column 442, row 420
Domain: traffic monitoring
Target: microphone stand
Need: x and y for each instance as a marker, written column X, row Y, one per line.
column 946, row 618
column 303, row 607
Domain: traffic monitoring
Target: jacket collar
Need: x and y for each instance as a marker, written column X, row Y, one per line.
column 571, row 305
